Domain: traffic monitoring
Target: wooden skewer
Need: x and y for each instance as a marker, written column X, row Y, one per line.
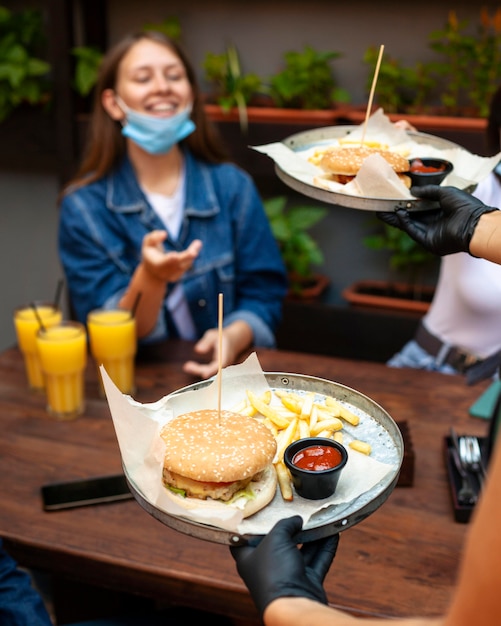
column 373, row 89
column 219, row 354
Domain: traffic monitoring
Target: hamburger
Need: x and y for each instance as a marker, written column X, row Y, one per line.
column 342, row 164
column 223, row 458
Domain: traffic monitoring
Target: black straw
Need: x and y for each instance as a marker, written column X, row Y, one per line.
column 59, row 290
column 135, row 305
column 39, row 319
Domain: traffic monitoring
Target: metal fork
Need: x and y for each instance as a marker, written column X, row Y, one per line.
column 471, row 456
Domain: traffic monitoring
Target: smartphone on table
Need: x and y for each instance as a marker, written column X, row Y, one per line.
column 99, row 490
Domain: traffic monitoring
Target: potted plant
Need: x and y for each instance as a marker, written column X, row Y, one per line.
column 450, row 94
column 24, row 76
column 408, row 262
column 303, row 92
column 233, row 88
column 300, row 252
column 307, row 81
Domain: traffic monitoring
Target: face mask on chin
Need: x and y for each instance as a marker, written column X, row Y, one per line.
column 156, row 135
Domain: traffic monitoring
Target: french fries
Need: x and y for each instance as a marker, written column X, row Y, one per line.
column 360, row 446
column 244, row 407
column 342, row 411
column 284, row 481
column 267, row 411
column 299, row 416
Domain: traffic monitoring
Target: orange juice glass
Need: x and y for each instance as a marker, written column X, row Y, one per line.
column 27, row 326
column 112, row 335
column 63, row 357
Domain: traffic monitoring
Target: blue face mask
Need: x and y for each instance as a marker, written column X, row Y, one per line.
column 156, row 135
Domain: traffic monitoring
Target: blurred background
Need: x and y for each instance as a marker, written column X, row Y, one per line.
column 40, row 144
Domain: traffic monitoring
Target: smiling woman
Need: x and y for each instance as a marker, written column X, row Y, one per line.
column 155, row 211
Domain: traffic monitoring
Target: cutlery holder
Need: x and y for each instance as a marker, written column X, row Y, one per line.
column 462, row 512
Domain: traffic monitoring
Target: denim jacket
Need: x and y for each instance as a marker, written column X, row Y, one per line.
column 102, row 226
column 20, row 604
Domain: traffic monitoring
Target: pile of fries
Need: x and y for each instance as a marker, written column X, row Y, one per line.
column 291, row 416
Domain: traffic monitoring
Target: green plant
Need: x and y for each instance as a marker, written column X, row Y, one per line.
column 88, row 58
column 399, row 88
column 233, row 87
column 300, row 252
column 307, row 81
column 23, row 75
column 472, row 66
column 406, row 256
column 464, row 74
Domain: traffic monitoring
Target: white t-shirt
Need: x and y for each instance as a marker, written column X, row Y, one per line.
column 466, row 309
column 170, row 211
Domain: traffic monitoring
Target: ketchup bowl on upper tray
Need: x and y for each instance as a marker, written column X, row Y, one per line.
column 428, row 171
column 315, row 465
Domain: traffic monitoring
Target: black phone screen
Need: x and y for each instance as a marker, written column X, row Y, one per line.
column 75, row 493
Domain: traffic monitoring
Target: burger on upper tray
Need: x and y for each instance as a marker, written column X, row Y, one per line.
column 344, row 162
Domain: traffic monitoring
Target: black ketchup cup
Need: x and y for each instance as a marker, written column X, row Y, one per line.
column 428, row 171
column 315, row 484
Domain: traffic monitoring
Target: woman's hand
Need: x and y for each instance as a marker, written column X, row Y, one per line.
column 236, row 338
column 167, row 267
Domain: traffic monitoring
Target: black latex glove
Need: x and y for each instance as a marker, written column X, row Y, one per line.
column 276, row 568
column 446, row 230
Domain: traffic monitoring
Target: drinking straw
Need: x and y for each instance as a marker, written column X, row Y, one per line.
column 39, row 319
column 59, row 290
column 136, row 302
column 371, row 95
column 220, row 352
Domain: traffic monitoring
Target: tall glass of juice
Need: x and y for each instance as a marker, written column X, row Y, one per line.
column 63, row 357
column 27, row 325
column 113, row 343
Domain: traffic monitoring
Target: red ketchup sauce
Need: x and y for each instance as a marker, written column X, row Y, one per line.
column 317, row 458
column 418, row 166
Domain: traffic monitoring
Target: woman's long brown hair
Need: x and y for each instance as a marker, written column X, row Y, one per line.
column 106, row 145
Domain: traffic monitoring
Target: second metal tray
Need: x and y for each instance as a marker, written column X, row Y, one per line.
column 318, row 136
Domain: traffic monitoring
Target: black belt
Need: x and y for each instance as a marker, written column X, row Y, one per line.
column 461, row 360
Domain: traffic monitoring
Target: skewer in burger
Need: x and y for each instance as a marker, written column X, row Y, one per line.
column 219, row 458
column 342, row 164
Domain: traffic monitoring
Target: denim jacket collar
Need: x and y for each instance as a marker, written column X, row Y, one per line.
column 124, row 195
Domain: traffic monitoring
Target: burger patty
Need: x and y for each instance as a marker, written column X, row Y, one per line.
column 204, row 490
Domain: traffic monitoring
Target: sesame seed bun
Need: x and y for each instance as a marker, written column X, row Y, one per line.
column 211, row 457
column 347, row 160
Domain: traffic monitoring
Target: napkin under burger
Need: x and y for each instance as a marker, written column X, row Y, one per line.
column 219, row 458
column 343, row 163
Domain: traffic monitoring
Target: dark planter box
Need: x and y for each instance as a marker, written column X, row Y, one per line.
column 344, row 331
column 391, row 296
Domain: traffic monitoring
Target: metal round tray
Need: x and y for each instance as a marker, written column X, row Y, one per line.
column 381, row 432
column 310, row 138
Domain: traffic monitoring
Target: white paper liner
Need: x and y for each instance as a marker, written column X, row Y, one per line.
column 138, row 427
column 375, row 180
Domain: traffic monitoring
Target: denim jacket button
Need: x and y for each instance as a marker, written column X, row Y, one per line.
column 202, row 303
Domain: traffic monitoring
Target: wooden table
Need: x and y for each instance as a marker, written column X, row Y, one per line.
column 401, row 561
